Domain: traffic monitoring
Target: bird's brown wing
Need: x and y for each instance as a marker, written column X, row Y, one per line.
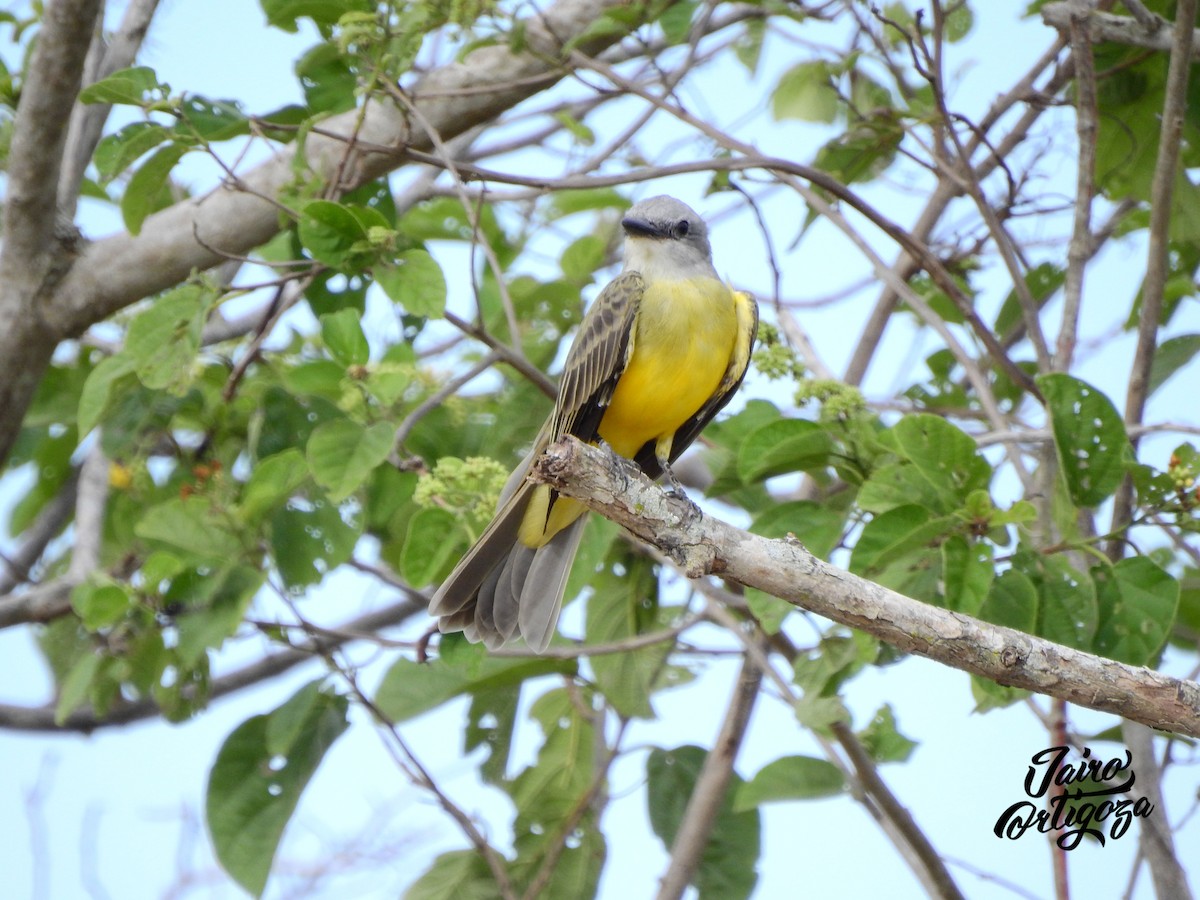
column 598, row 357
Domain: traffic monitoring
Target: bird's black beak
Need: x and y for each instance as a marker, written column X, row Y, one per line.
column 640, row 228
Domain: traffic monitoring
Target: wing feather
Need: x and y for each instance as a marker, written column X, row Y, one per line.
column 598, row 356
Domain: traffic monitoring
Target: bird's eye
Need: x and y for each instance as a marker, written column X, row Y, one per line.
column 681, row 228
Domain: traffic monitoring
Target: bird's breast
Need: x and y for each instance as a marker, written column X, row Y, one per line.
column 682, row 342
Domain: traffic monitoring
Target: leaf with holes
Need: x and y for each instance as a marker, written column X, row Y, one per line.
column 1138, row 601
column 342, row 454
column 1093, row 449
column 135, row 86
column 259, row 775
column 730, row 858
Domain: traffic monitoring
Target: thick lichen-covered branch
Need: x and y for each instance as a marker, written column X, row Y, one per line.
column 702, row 545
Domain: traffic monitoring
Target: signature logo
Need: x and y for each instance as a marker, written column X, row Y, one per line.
column 1085, row 805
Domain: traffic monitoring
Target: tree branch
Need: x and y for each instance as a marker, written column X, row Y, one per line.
column 234, row 219
column 39, row 133
column 35, row 251
column 930, row 867
column 1102, row 26
column 24, row 718
column 87, row 122
column 704, row 546
column 1157, row 264
column 196, row 234
column 1157, row 842
column 711, row 785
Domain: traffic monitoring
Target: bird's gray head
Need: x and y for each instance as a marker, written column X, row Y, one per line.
column 665, row 238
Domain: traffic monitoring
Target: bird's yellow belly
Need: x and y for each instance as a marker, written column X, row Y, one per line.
column 684, row 339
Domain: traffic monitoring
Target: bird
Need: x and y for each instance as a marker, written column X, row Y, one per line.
column 660, row 352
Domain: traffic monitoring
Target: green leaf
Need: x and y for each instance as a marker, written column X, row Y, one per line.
column 344, row 339
column 958, row 22
column 883, row 740
column 98, row 389
column 118, row 151
column 458, row 875
column 748, row 45
column 342, row 454
column 329, row 79
column 676, row 21
column 582, row 258
column 320, row 377
column 989, row 695
column 1011, row 602
column 190, row 525
column 271, row 482
column 309, row 538
column 77, row 685
column 100, row 605
column 164, row 338
column 335, row 232
column 219, row 600
column 565, row 203
column 1093, row 449
column 623, row 605
column 903, row 484
column 790, row 778
column 862, row 152
column 806, row 92
column 1172, row 355
column 1067, row 608
column 136, row 86
column 491, row 722
column 147, row 191
column 259, row 775
column 905, row 531
column 786, row 445
column 211, row 120
column 728, row 864
column 415, row 282
column 1138, row 602
column 431, row 543
column 549, row 794
column 946, row 457
column 769, row 610
column 283, row 14
column 967, row 572
column 410, row 689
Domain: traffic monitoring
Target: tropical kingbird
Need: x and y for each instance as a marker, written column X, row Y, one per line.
column 660, row 352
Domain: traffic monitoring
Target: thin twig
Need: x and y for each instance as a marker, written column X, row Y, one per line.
column 712, row 783
column 1081, row 247
column 1157, row 265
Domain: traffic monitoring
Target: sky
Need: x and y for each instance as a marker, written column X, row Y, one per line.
column 119, row 814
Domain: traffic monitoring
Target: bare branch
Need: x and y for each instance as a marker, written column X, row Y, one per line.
column 711, row 785
column 24, row 718
column 197, row 233
column 48, row 524
column 1157, row 843
column 931, row 869
column 87, row 122
column 1082, row 244
column 1157, row 266
column 1104, row 26
column 784, row 569
column 39, row 133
